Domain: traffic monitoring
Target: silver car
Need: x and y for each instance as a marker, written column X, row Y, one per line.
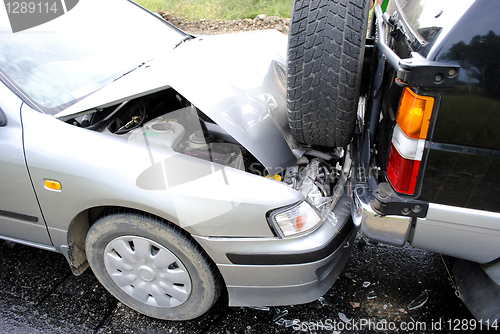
column 166, row 163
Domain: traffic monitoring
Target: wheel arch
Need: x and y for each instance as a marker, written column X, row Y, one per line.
column 81, row 223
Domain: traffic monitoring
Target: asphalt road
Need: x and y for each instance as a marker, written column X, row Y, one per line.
column 379, row 287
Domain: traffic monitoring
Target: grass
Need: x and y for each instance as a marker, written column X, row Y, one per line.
column 220, row 9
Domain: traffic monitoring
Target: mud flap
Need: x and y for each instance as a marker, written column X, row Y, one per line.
column 478, row 292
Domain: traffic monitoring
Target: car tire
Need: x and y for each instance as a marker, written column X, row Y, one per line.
column 325, row 55
column 151, row 266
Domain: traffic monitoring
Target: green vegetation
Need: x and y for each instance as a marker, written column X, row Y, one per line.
column 220, row 9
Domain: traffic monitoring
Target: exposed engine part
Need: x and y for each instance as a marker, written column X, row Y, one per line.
column 134, row 123
column 336, row 154
column 183, row 129
column 108, row 119
column 163, row 127
column 290, row 178
column 318, row 154
column 159, row 132
column 86, row 120
column 200, row 139
column 316, row 173
column 167, row 120
column 315, row 181
column 307, row 177
column 129, row 115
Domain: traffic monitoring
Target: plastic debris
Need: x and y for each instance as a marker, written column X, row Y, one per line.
column 279, row 314
column 323, row 302
column 419, row 301
column 284, row 322
column 344, row 318
column 355, row 304
column 260, row 308
column 371, row 295
column 280, row 322
column 366, row 284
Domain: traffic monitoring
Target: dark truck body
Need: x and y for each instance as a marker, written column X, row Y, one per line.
column 439, row 191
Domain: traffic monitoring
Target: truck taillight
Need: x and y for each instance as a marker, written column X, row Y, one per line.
column 408, row 141
column 414, row 114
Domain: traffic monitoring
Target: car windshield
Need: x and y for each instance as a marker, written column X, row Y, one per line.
column 59, row 62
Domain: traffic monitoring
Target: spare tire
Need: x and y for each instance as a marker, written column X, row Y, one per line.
column 325, row 55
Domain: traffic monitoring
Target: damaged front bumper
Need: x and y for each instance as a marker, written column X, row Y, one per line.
column 273, row 271
column 287, row 270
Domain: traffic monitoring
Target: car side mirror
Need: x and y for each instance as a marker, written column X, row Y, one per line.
column 3, row 118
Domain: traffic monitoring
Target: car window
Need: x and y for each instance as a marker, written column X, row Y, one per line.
column 59, row 62
column 427, row 18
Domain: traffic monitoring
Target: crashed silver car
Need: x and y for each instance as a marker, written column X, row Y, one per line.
column 166, row 163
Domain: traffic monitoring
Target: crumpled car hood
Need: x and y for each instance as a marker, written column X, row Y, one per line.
column 238, row 80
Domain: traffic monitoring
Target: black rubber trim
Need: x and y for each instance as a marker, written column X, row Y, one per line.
column 20, row 216
column 294, row 258
column 465, row 149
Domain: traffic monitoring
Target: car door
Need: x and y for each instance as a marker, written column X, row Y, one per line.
column 20, row 216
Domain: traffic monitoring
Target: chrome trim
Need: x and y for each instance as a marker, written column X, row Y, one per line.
column 29, row 243
column 465, row 149
column 392, row 230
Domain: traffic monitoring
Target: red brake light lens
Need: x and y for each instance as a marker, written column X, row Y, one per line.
column 402, row 173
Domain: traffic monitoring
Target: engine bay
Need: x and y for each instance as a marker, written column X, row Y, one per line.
column 167, row 120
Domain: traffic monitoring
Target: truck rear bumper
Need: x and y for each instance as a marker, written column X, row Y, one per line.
column 390, row 229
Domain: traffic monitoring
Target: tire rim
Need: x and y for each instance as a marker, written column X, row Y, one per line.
column 147, row 271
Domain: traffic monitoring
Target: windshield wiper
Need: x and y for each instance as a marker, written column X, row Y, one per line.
column 185, row 39
column 132, row 69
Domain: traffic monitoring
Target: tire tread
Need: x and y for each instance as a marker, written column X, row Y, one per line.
column 326, row 47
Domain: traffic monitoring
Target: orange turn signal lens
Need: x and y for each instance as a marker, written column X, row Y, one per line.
column 414, row 114
column 52, row 184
